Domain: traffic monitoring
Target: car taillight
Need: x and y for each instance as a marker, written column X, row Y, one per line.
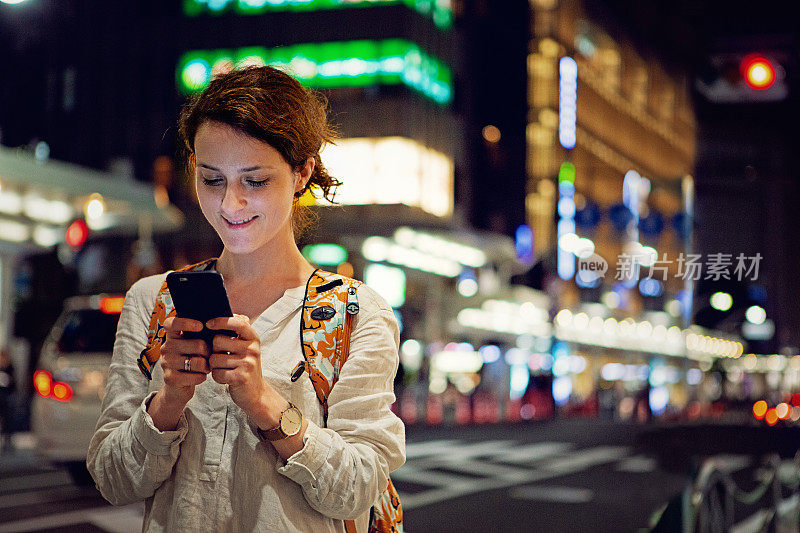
column 61, row 391
column 112, row 304
column 43, row 383
column 760, row 409
column 47, row 388
column 771, row 417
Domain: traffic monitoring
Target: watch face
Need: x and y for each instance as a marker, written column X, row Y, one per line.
column 291, row 421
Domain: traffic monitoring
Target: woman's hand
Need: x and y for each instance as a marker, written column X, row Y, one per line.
column 174, row 353
column 236, row 361
column 167, row 405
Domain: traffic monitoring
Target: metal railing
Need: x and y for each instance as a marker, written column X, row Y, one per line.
column 709, row 504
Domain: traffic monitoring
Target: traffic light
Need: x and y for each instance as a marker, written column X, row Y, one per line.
column 757, row 72
column 76, row 234
column 736, row 77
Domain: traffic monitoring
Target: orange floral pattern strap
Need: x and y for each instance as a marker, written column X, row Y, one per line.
column 329, row 307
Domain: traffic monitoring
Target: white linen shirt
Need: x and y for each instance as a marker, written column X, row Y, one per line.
column 213, row 472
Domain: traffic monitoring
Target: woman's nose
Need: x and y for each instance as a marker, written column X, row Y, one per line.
column 234, row 198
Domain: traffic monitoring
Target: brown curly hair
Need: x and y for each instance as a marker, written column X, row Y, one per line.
column 269, row 105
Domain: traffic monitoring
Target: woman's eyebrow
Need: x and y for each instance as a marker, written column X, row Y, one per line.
column 245, row 169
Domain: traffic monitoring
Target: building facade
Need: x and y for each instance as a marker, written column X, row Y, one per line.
column 611, row 150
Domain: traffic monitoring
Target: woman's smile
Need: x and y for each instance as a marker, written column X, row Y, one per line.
column 239, row 223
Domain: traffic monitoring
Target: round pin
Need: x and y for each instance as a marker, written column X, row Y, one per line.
column 324, row 312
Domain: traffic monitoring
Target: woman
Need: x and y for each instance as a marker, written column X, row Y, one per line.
column 191, row 441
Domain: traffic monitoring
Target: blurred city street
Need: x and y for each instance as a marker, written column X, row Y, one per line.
column 568, row 475
column 572, row 475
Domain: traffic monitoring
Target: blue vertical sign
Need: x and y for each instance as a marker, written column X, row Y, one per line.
column 567, row 125
column 565, row 261
column 567, row 102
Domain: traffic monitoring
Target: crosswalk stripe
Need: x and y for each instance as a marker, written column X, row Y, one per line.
column 431, row 447
column 583, row 459
column 529, row 453
column 479, row 468
column 493, row 476
column 552, row 493
column 639, row 464
column 491, row 448
column 430, row 477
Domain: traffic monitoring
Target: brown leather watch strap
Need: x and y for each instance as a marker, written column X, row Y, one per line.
column 273, row 434
column 277, row 432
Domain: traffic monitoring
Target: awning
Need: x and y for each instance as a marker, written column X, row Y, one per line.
column 38, row 199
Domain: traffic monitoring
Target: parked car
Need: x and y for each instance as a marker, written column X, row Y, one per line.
column 71, row 378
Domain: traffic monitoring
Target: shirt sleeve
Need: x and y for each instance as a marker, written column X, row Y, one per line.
column 128, row 457
column 343, row 468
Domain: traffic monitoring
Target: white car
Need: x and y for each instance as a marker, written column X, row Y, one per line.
column 71, row 378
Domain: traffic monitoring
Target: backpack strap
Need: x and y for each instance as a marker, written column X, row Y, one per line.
column 326, row 322
column 387, row 513
column 162, row 310
column 329, row 306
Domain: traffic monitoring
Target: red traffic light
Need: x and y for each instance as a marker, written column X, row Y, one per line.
column 76, row 234
column 757, row 72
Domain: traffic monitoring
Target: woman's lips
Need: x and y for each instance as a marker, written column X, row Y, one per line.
column 239, row 224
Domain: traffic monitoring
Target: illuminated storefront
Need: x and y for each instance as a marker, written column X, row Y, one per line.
column 392, row 170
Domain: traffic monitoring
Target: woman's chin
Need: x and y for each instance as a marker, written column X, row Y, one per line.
column 236, row 246
column 247, row 242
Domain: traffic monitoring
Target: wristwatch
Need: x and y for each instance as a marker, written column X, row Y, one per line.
column 288, row 425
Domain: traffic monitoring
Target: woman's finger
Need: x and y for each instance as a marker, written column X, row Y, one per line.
column 223, row 344
column 180, row 347
column 239, row 324
column 175, row 325
column 230, row 361
column 227, row 376
column 178, row 378
column 186, row 363
column 197, row 365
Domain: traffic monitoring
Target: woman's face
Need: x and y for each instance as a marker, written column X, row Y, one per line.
column 245, row 187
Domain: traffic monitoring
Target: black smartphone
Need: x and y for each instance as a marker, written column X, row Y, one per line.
column 200, row 295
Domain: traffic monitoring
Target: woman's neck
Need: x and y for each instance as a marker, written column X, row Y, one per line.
column 279, row 264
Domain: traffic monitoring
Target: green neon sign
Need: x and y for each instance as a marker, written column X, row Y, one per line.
column 325, row 254
column 329, row 65
column 566, row 172
column 441, row 11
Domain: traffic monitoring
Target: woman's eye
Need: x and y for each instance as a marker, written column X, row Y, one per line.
column 212, row 181
column 257, row 183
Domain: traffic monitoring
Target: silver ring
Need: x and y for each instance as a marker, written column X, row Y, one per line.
column 187, row 364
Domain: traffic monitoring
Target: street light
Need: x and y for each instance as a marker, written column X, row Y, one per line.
column 12, row 2
column 721, row 301
column 756, row 314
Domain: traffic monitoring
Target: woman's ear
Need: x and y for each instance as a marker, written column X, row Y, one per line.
column 304, row 175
